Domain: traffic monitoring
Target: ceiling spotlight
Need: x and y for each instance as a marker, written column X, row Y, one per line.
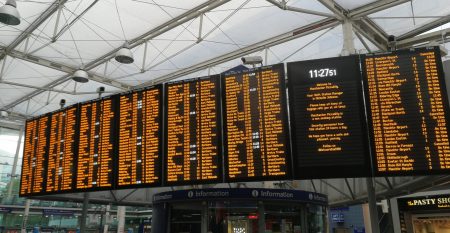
column 124, row 55
column 80, row 76
column 252, row 60
column 9, row 14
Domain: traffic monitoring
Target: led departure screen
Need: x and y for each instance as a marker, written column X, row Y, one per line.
column 327, row 118
column 408, row 107
column 255, row 121
column 139, row 161
column 96, row 145
column 193, row 131
column 34, row 156
column 62, row 150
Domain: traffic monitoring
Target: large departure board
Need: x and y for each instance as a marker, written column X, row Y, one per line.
column 34, row 156
column 193, row 135
column 408, row 109
column 255, row 124
column 96, row 145
column 62, row 150
column 140, row 132
column 328, row 126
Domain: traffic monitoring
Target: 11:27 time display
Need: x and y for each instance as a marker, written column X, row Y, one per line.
column 322, row 73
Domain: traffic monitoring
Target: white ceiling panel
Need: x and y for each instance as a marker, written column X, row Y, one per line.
column 23, row 72
column 11, row 93
column 353, row 4
column 255, row 23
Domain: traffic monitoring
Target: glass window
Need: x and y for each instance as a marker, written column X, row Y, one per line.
column 283, row 217
column 316, row 218
column 8, row 142
column 185, row 218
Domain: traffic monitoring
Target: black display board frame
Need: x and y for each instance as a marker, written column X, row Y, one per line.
column 160, row 135
column 293, row 171
column 443, row 85
column 284, row 119
column 75, row 152
column 44, row 183
column 219, row 133
column 114, row 128
column 327, row 169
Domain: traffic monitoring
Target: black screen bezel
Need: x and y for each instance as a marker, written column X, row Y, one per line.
column 114, row 106
column 443, row 85
column 44, row 183
column 219, row 135
column 75, row 152
column 283, row 98
column 160, row 133
column 325, row 170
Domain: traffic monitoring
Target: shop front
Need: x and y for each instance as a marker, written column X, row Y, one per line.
column 423, row 214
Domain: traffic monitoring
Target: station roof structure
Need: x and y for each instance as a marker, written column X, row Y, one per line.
column 179, row 39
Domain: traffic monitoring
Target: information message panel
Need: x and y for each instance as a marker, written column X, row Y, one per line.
column 62, row 150
column 34, row 156
column 96, row 145
column 193, row 135
column 255, row 125
column 408, row 111
column 327, row 118
column 139, row 160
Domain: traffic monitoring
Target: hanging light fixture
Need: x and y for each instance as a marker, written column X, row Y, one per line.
column 9, row 14
column 80, row 76
column 124, row 55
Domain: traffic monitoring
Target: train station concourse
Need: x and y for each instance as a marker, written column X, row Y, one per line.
column 224, row 116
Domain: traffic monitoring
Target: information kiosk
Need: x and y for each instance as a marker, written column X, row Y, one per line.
column 243, row 210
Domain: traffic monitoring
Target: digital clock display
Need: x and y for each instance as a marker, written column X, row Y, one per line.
column 327, row 118
column 322, row 73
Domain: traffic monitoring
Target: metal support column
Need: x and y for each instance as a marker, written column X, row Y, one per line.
column 347, row 31
column 204, row 226
column 121, row 218
column 16, row 159
column 261, row 218
column 84, row 213
column 107, row 219
column 372, row 205
column 25, row 216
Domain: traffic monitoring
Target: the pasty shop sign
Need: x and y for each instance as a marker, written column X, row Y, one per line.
column 425, row 202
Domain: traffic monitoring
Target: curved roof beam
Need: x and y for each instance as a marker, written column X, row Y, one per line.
column 374, row 7
column 284, row 6
column 299, row 32
column 441, row 21
column 64, row 68
column 438, row 36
